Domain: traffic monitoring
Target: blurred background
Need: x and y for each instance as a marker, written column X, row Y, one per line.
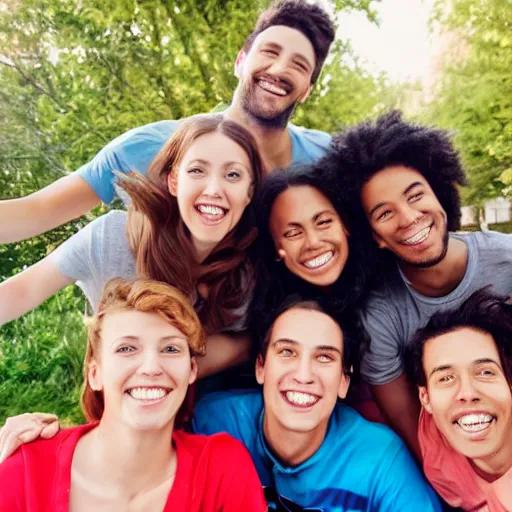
column 75, row 74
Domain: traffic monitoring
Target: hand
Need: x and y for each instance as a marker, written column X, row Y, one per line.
column 25, row 428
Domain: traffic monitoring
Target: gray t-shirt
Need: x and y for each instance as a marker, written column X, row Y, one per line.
column 101, row 251
column 396, row 311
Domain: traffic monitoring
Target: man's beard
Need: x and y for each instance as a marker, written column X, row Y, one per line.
column 267, row 119
column 432, row 261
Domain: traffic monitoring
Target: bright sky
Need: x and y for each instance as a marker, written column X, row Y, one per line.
column 401, row 45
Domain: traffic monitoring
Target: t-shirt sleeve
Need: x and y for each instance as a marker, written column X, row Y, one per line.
column 401, row 486
column 12, row 488
column 239, row 487
column 131, row 151
column 76, row 257
column 382, row 360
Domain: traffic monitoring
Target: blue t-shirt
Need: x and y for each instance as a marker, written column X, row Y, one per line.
column 135, row 149
column 360, row 466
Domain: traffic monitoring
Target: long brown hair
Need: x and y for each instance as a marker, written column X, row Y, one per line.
column 147, row 297
column 161, row 242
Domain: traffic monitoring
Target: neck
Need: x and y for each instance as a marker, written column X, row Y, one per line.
column 122, row 458
column 443, row 277
column 275, row 144
column 203, row 250
column 494, row 467
column 290, row 447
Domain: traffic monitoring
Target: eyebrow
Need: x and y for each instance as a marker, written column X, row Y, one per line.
column 485, row 360
column 443, row 367
column 295, row 55
column 314, row 218
column 129, row 337
column 406, row 191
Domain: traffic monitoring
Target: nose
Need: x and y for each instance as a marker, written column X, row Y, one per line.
column 150, row 364
column 213, row 186
column 466, row 391
column 304, row 371
column 279, row 67
column 313, row 238
column 408, row 215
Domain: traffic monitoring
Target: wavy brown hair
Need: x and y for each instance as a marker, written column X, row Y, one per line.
column 161, row 241
column 147, row 297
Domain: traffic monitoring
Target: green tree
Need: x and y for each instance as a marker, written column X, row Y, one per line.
column 475, row 96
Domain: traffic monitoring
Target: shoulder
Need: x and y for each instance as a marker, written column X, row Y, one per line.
column 157, row 132
column 234, row 412
column 314, row 137
column 487, row 240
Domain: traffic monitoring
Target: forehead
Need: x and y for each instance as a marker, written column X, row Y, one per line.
column 389, row 184
column 298, row 204
column 459, row 348
column 138, row 324
column 308, row 328
column 289, row 39
column 216, row 147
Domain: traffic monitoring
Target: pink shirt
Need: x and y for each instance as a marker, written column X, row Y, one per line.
column 453, row 477
column 214, row 473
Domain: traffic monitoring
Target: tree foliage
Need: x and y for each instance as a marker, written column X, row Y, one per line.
column 475, row 95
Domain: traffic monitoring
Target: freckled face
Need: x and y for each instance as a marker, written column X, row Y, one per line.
column 213, row 186
column 309, row 235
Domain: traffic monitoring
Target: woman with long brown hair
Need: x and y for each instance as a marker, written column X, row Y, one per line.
column 190, row 224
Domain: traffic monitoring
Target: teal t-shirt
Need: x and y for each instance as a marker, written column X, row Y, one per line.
column 135, row 149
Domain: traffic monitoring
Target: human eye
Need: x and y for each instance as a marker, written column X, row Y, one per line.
column 325, row 223
column 125, row 349
column 292, row 233
column 195, row 171
column 486, row 372
column 234, row 175
column 285, row 352
column 384, row 215
column 415, row 197
column 325, row 358
column 445, row 379
column 171, row 349
column 269, row 51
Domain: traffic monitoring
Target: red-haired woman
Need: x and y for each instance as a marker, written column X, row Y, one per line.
column 190, row 224
column 139, row 362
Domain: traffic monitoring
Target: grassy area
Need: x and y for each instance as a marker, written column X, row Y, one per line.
column 41, row 358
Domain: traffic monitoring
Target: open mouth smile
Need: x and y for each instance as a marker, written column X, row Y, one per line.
column 148, row 395
column 212, row 214
column 419, row 237
column 300, row 399
column 319, row 261
column 475, row 422
column 273, row 87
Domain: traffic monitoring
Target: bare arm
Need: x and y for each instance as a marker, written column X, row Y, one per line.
column 58, row 203
column 223, row 351
column 399, row 403
column 26, row 290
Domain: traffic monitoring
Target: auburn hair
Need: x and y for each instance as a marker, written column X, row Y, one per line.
column 161, row 241
column 145, row 296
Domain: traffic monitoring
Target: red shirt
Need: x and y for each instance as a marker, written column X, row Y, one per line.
column 214, row 473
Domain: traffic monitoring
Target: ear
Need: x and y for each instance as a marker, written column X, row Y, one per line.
column 260, row 370
column 172, row 183
column 281, row 253
column 344, row 385
column 305, row 94
column 193, row 374
column 94, row 376
column 425, row 399
column 380, row 243
column 239, row 62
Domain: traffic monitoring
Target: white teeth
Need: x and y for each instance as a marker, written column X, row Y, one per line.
column 474, row 422
column 418, row 237
column 319, row 260
column 147, row 393
column 301, row 398
column 210, row 210
column 272, row 88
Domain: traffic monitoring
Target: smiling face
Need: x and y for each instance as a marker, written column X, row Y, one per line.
column 309, row 235
column 213, row 186
column 275, row 74
column 144, row 369
column 302, row 374
column 405, row 216
column 467, row 393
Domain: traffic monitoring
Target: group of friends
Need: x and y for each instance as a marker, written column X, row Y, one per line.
column 324, row 275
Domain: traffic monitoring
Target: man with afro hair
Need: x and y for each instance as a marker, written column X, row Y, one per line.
column 399, row 182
